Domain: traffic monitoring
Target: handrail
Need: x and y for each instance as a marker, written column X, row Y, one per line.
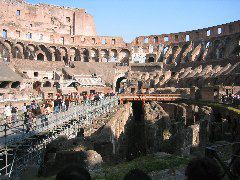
column 45, row 122
column 75, row 117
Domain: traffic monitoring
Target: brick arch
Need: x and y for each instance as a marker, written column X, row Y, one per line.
column 104, row 55
column 84, row 54
column 124, row 56
column 74, row 54
column 184, row 53
column 5, row 51
column 94, row 54
column 30, row 51
column 47, row 53
column 64, row 54
column 40, row 55
column 113, row 55
column 56, row 54
column 18, row 50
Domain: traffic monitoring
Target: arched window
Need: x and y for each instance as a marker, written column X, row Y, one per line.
column 40, row 57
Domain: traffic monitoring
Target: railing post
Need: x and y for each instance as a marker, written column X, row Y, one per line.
column 5, row 139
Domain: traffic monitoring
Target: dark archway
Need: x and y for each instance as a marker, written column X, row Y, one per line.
column 4, row 84
column 36, row 85
column 15, row 84
column 16, row 53
column 135, row 133
column 151, row 60
column 4, row 53
column 40, row 57
column 47, row 84
column 119, row 88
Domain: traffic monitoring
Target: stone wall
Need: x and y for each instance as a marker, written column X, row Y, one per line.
column 185, row 128
column 42, row 21
column 109, row 139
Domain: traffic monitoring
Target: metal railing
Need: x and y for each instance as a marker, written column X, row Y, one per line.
column 19, row 148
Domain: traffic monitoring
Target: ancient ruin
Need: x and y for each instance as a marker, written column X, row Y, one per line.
column 171, row 88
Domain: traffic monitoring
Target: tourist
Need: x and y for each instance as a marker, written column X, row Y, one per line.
column 8, row 115
column 24, row 109
column 14, row 114
column 28, row 120
column 202, row 168
column 63, row 106
column 73, row 172
column 67, row 103
column 136, row 174
column 85, row 99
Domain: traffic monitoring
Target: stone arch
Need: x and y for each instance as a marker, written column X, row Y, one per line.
column 15, row 85
column 151, row 59
column 216, row 49
column 104, row 55
column 56, row 54
column 30, row 51
column 8, row 44
column 124, row 56
column 113, row 55
column 64, row 54
column 74, row 54
column 18, row 50
column 37, row 85
column 235, row 47
column 48, row 55
column 164, row 51
column 47, row 84
column 170, row 59
column 85, row 55
column 94, row 54
column 228, row 46
column 118, row 87
column 121, row 75
column 184, row 57
column 4, row 52
column 40, row 57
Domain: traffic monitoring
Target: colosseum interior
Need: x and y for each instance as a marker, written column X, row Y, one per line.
column 174, row 90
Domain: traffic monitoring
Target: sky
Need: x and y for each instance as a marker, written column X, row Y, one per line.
column 132, row 18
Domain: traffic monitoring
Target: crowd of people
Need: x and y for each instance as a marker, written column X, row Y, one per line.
column 233, row 99
column 197, row 169
column 59, row 104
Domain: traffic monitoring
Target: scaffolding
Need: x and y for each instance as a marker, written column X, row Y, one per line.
column 19, row 149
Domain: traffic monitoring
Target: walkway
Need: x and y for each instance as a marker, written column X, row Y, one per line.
column 14, row 140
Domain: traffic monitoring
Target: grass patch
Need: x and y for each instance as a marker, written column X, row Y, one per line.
column 149, row 163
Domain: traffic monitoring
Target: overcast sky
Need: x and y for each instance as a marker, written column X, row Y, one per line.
column 132, row 18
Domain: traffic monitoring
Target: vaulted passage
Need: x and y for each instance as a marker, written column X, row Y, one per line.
column 135, row 134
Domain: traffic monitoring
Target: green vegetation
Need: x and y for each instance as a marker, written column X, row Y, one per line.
column 149, row 163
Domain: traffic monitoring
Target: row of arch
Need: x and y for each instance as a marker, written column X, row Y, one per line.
column 19, row 50
column 201, row 51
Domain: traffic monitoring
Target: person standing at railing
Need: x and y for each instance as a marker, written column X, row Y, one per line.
column 27, row 120
column 8, row 114
column 67, row 103
column 14, row 114
column 63, row 105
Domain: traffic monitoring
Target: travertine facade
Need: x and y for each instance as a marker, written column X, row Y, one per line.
column 53, row 47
